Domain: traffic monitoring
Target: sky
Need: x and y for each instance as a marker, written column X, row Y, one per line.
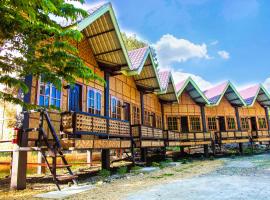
column 209, row 40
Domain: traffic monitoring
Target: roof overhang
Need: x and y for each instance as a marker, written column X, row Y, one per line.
column 231, row 94
column 104, row 36
column 194, row 92
column 262, row 96
column 169, row 94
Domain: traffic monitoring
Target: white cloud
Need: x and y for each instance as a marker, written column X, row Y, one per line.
column 213, row 43
column 267, row 83
column 84, row 6
column 224, row 54
column 171, row 49
column 202, row 83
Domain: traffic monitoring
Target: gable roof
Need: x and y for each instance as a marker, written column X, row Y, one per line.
column 215, row 94
column 192, row 89
column 143, row 69
column 256, row 92
column 168, row 91
column 103, row 34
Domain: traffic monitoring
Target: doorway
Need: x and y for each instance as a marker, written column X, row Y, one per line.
column 75, row 98
column 222, row 124
column 184, row 124
column 126, row 107
column 253, row 124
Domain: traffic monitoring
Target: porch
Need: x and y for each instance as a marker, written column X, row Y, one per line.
column 229, row 137
column 260, row 136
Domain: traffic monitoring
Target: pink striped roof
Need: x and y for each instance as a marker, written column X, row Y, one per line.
column 249, row 92
column 216, row 91
column 180, row 85
column 164, row 79
column 137, row 56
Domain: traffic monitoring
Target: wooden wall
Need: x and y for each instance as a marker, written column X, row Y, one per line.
column 185, row 107
column 224, row 109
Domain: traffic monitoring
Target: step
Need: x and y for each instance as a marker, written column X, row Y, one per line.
column 61, row 166
column 66, row 177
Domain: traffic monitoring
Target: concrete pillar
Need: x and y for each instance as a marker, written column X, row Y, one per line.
column 40, row 169
column 19, row 161
column 89, row 157
column 105, row 159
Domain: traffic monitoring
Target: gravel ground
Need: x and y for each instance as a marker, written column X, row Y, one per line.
column 240, row 178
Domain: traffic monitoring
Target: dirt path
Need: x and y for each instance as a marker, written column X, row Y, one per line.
column 120, row 189
column 241, row 178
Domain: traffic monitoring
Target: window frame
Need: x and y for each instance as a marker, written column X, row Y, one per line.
column 245, row 126
column 51, row 85
column 228, row 121
column 210, row 124
column 195, row 124
column 171, row 126
column 136, row 115
column 118, row 107
column 259, row 124
column 96, row 92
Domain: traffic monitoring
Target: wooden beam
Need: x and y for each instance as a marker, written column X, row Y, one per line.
column 107, row 52
column 101, row 33
column 142, row 79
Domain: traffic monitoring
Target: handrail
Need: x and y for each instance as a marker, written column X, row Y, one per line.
column 48, row 120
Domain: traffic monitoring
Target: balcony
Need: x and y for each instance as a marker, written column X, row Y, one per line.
column 79, row 123
column 228, row 137
column 260, row 135
column 146, row 132
column 187, row 137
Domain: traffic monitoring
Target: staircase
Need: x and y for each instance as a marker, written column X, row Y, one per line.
column 51, row 150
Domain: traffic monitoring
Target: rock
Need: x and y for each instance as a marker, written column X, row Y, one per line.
column 99, row 183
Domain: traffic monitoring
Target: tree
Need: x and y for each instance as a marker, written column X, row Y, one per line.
column 132, row 42
column 32, row 43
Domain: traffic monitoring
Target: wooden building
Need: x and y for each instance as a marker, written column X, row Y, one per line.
column 255, row 116
column 138, row 108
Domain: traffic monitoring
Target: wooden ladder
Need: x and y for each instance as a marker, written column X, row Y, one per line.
column 53, row 149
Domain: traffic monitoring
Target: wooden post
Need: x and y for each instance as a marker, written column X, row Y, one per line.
column 40, row 169
column 89, row 157
column 142, row 107
column 163, row 128
column 19, row 161
column 144, row 154
column 205, row 146
column 239, row 128
column 105, row 159
column 105, row 153
column 267, row 117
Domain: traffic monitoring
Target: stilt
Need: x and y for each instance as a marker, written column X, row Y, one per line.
column 40, row 169
column 105, row 159
column 182, row 151
column 213, row 146
column 241, row 148
column 144, row 154
column 205, row 149
column 89, row 155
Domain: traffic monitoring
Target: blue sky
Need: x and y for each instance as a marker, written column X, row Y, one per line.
column 211, row 40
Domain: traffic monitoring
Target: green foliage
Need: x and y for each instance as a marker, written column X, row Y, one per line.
column 33, row 43
column 122, row 170
column 135, row 168
column 155, row 164
column 104, row 173
column 132, row 42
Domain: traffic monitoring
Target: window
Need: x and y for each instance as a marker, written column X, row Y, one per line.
column 158, row 122
column 94, row 101
column 195, row 123
column 212, row 123
column 136, row 115
column 172, row 124
column 147, row 118
column 115, row 108
column 244, row 123
column 262, row 123
column 231, row 123
column 48, row 94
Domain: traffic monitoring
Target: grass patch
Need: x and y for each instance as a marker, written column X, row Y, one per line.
column 104, row 173
column 162, row 176
column 136, row 168
column 122, row 170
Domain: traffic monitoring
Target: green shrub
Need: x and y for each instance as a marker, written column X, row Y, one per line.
column 104, row 173
column 122, row 170
column 135, row 168
column 184, row 161
column 155, row 164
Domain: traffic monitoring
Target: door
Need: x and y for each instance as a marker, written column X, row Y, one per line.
column 253, row 123
column 75, row 98
column 184, row 124
column 153, row 120
column 127, row 113
column 221, row 122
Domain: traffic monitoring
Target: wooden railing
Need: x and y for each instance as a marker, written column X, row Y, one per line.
column 194, row 136
column 146, row 132
column 260, row 134
column 231, row 135
column 86, row 123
